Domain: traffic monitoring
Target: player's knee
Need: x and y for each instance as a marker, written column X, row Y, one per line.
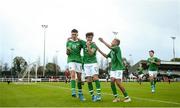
column 73, row 75
column 79, row 77
column 118, row 81
column 95, row 77
column 113, row 80
column 89, row 79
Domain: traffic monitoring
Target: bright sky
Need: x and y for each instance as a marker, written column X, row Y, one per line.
column 142, row 25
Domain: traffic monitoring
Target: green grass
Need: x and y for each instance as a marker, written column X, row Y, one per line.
column 59, row 95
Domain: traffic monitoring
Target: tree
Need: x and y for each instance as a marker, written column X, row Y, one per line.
column 127, row 67
column 52, row 69
column 20, row 65
column 0, row 70
column 6, row 67
column 6, row 70
column 176, row 59
column 40, row 71
column 33, row 70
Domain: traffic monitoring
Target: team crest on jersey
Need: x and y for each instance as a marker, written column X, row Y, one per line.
column 74, row 46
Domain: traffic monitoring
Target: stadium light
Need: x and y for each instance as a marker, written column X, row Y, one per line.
column 115, row 33
column 12, row 50
column 44, row 28
column 130, row 59
column 57, row 51
column 173, row 38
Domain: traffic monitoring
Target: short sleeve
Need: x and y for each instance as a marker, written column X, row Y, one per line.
column 67, row 44
column 94, row 47
column 83, row 43
column 115, row 48
column 157, row 60
column 109, row 55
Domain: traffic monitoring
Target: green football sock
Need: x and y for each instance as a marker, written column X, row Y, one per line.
column 152, row 83
column 125, row 94
column 113, row 87
column 73, row 84
column 90, row 86
column 155, row 81
column 79, row 87
column 98, row 87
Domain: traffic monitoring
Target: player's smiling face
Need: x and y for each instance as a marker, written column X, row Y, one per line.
column 151, row 54
column 113, row 43
column 89, row 38
column 74, row 35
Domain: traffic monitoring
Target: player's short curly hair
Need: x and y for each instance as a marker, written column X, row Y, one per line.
column 74, row 31
column 152, row 51
column 89, row 34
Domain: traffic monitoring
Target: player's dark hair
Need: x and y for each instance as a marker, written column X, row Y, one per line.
column 152, row 51
column 89, row 34
column 118, row 41
column 74, row 31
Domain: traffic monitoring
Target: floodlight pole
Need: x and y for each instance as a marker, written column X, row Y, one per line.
column 173, row 38
column 44, row 28
column 130, row 59
column 12, row 49
column 56, row 61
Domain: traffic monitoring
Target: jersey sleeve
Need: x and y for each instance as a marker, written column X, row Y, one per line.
column 67, row 44
column 83, row 43
column 148, row 62
column 115, row 48
column 94, row 47
column 108, row 55
column 157, row 59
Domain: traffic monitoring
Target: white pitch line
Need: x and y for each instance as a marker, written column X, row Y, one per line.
column 154, row 100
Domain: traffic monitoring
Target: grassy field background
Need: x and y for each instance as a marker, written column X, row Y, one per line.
column 58, row 94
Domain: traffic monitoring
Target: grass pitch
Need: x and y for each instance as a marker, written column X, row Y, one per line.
column 58, row 94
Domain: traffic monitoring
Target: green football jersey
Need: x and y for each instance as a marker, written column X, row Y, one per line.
column 87, row 59
column 152, row 66
column 140, row 70
column 116, row 59
column 75, row 51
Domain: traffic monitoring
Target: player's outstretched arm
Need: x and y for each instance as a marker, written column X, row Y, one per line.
column 158, row 63
column 105, row 43
column 102, row 53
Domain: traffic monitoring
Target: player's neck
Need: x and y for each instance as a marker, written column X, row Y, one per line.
column 74, row 39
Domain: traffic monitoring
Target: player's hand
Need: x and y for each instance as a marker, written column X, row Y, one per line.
column 154, row 62
column 101, row 39
column 88, row 43
column 68, row 50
